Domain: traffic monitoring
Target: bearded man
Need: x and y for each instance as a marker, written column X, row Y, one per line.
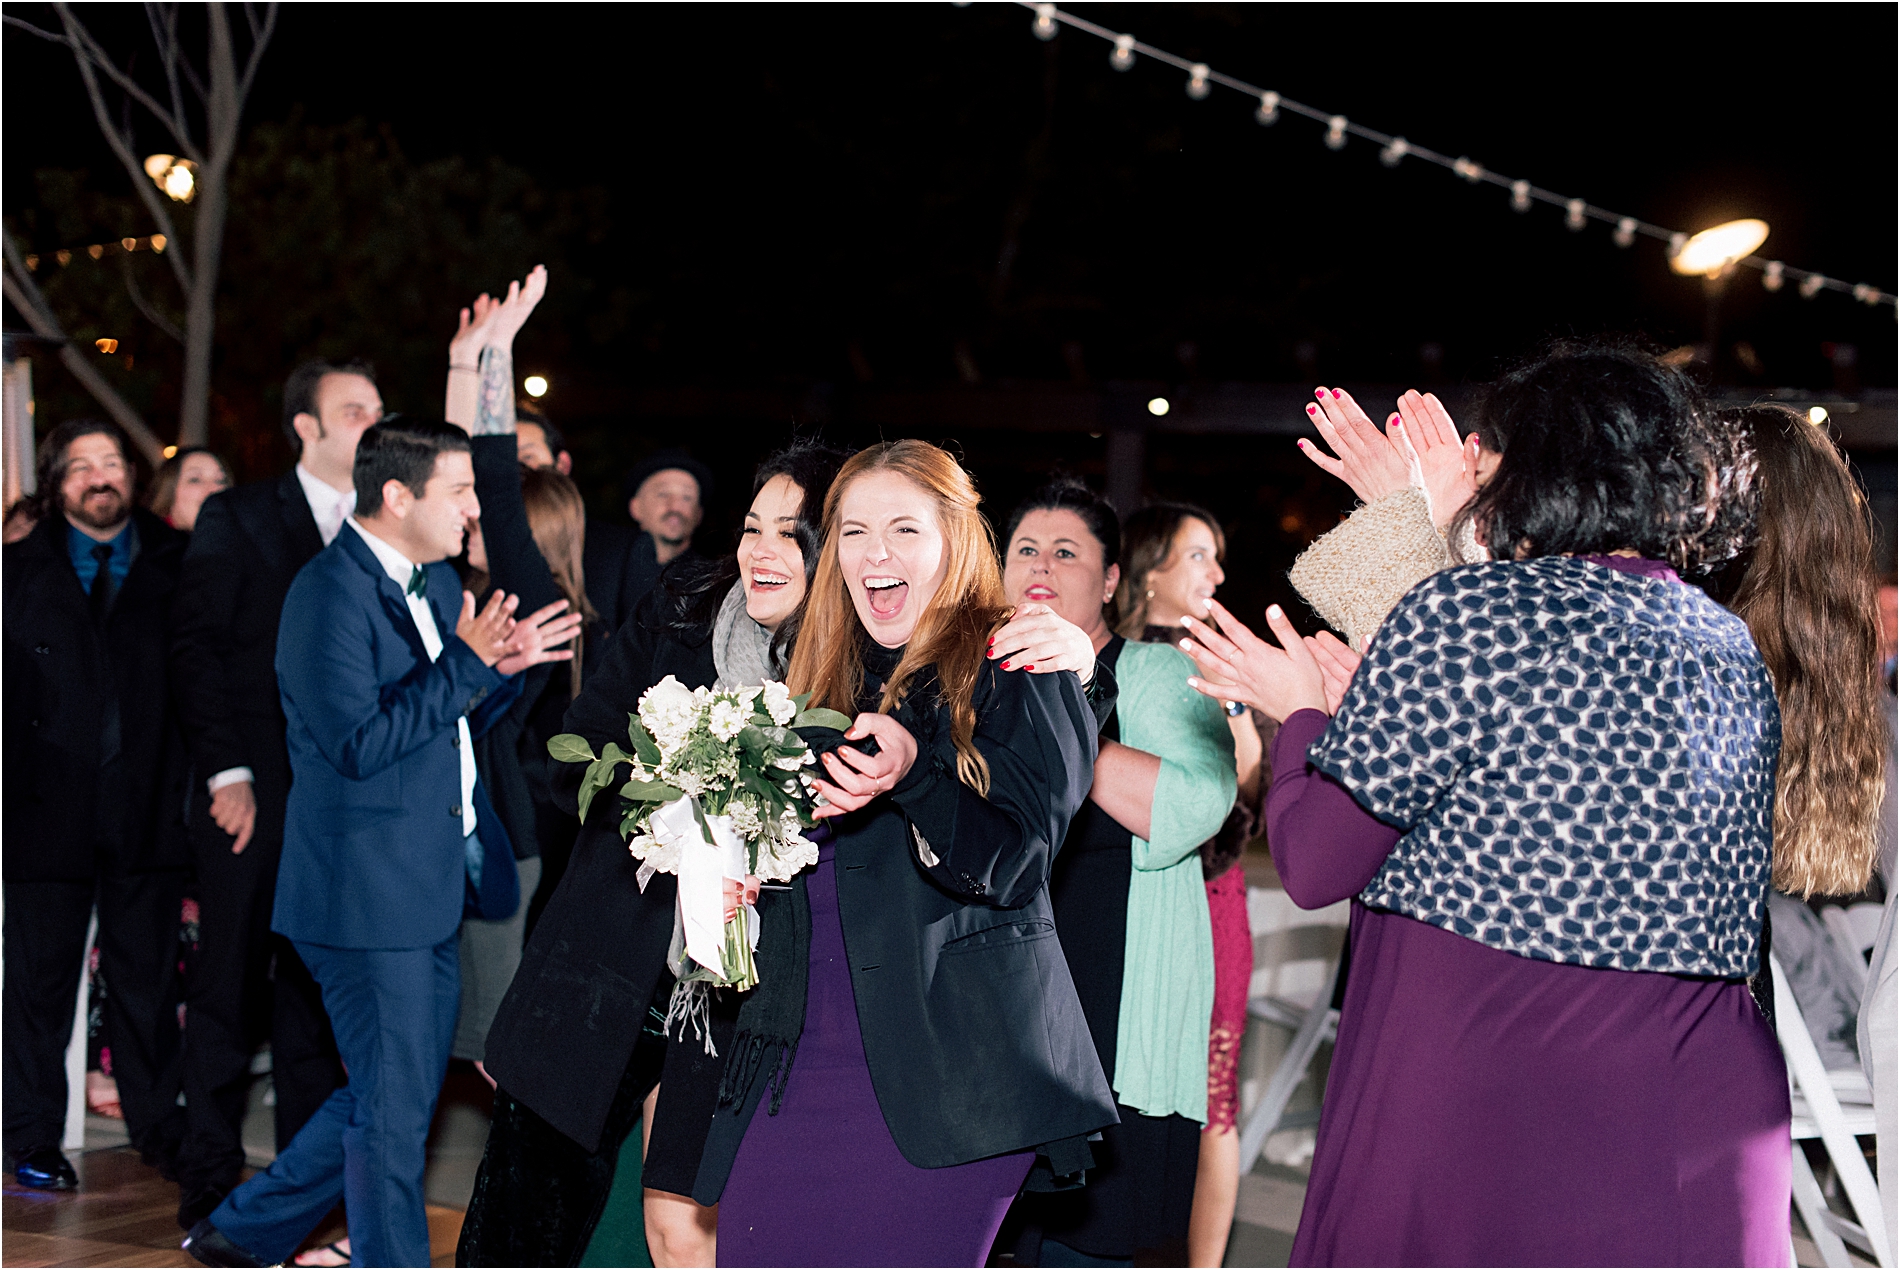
column 92, row 811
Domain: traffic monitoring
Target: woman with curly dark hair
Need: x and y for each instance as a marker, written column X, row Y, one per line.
column 1549, row 790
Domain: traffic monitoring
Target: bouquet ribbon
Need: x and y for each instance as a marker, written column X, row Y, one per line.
column 705, row 863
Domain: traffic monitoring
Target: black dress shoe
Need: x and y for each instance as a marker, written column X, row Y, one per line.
column 209, row 1247
column 198, row 1203
column 45, row 1169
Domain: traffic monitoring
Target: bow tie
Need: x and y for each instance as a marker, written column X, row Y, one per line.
column 418, row 582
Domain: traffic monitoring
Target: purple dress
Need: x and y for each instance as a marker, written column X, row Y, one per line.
column 822, row 1183
column 1485, row 1108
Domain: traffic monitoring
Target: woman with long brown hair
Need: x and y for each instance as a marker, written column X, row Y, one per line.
column 928, row 1044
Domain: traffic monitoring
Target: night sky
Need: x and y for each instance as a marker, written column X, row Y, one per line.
column 814, row 199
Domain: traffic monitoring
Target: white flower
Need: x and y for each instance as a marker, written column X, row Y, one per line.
column 745, row 820
column 792, row 762
column 778, row 702
column 669, row 712
column 728, row 718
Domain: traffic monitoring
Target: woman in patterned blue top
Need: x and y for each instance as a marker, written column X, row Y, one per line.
column 1550, row 790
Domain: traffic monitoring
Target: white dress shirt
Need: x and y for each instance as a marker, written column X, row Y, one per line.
column 329, row 506
column 401, row 568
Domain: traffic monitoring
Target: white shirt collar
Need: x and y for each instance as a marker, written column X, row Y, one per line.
column 328, row 504
column 395, row 564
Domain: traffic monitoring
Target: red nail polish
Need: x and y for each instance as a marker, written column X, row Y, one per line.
column 1005, row 665
column 1335, row 394
column 1312, row 410
column 1319, row 392
column 1030, row 667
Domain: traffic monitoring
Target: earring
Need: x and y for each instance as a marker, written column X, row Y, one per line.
column 1151, row 595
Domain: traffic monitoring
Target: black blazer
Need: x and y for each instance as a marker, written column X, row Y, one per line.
column 248, row 545
column 975, row 1037
column 61, row 677
column 564, row 1033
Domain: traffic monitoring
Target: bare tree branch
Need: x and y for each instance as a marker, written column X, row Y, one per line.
column 151, row 313
column 259, row 38
column 24, row 294
column 166, row 37
column 87, row 51
column 121, row 146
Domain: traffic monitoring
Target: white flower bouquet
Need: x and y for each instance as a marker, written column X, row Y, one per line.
column 717, row 791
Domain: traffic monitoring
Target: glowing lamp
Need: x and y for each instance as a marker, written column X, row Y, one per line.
column 535, row 386
column 1713, row 250
column 1158, row 406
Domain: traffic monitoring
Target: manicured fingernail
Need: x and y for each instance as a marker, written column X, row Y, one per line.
column 1188, row 644
column 1031, row 666
column 1319, row 392
column 1312, row 410
column 1273, row 610
column 1005, row 665
column 1335, row 394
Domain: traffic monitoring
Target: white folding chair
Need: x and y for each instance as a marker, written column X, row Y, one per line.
column 1853, row 928
column 1821, row 1111
column 1312, row 1022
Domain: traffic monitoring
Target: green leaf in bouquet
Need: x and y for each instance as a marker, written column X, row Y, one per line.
column 570, row 748
column 643, row 744
column 754, row 742
column 600, row 774
column 802, row 700
column 758, row 784
column 822, row 718
column 649, row 791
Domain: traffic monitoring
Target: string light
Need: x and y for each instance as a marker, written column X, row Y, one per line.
column 98, row 251
column 1158, row 406
column 106, row 346
column 1394, row 149
column 1817, row 415
column 535, row 385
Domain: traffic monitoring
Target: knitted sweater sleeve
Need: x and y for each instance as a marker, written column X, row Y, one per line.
column 1356, row 572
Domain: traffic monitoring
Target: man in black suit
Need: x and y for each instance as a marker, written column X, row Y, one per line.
column 248, row 546
column 95, row 780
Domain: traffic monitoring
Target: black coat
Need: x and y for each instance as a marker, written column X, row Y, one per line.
column 515, row 565
column 565, row 1031
column 63, row 679
column 248, row 545
column 975, row 1038
column 621, row 566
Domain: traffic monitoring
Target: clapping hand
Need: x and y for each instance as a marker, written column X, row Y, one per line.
column 1445, row 469
column 486, row 633
column 1237, row 665
column 539, row 637
column 1041, row 641
column 1337, row 662
column 1368, row 460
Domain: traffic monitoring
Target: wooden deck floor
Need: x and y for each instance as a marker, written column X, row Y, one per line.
column 124, row 1214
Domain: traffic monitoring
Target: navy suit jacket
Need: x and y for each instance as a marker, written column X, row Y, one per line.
column 373, row 845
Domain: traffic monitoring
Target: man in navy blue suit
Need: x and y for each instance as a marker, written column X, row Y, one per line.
column 387, row 673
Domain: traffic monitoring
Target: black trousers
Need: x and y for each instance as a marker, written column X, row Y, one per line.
column 247, row 983
column 44, row 943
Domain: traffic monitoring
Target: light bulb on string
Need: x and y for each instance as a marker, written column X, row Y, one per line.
column 1676, row 243
column 1197, row 81
column 1123, row 58
column 1811, row 286
column 1866, row 294
column 1395, row 150
column 1625, row 232
column 1520, row 196
column 1269, row 109
column 1573, row 214
column 1336, row 133
column 1045, row 24
column 1472, row 172
column 1771, row 278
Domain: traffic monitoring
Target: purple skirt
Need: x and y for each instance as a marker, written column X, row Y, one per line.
column 1487, row 1109
column 822, row 1183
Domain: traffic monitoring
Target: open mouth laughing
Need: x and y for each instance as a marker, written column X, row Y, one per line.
column 887, row 595
column 768, row 582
